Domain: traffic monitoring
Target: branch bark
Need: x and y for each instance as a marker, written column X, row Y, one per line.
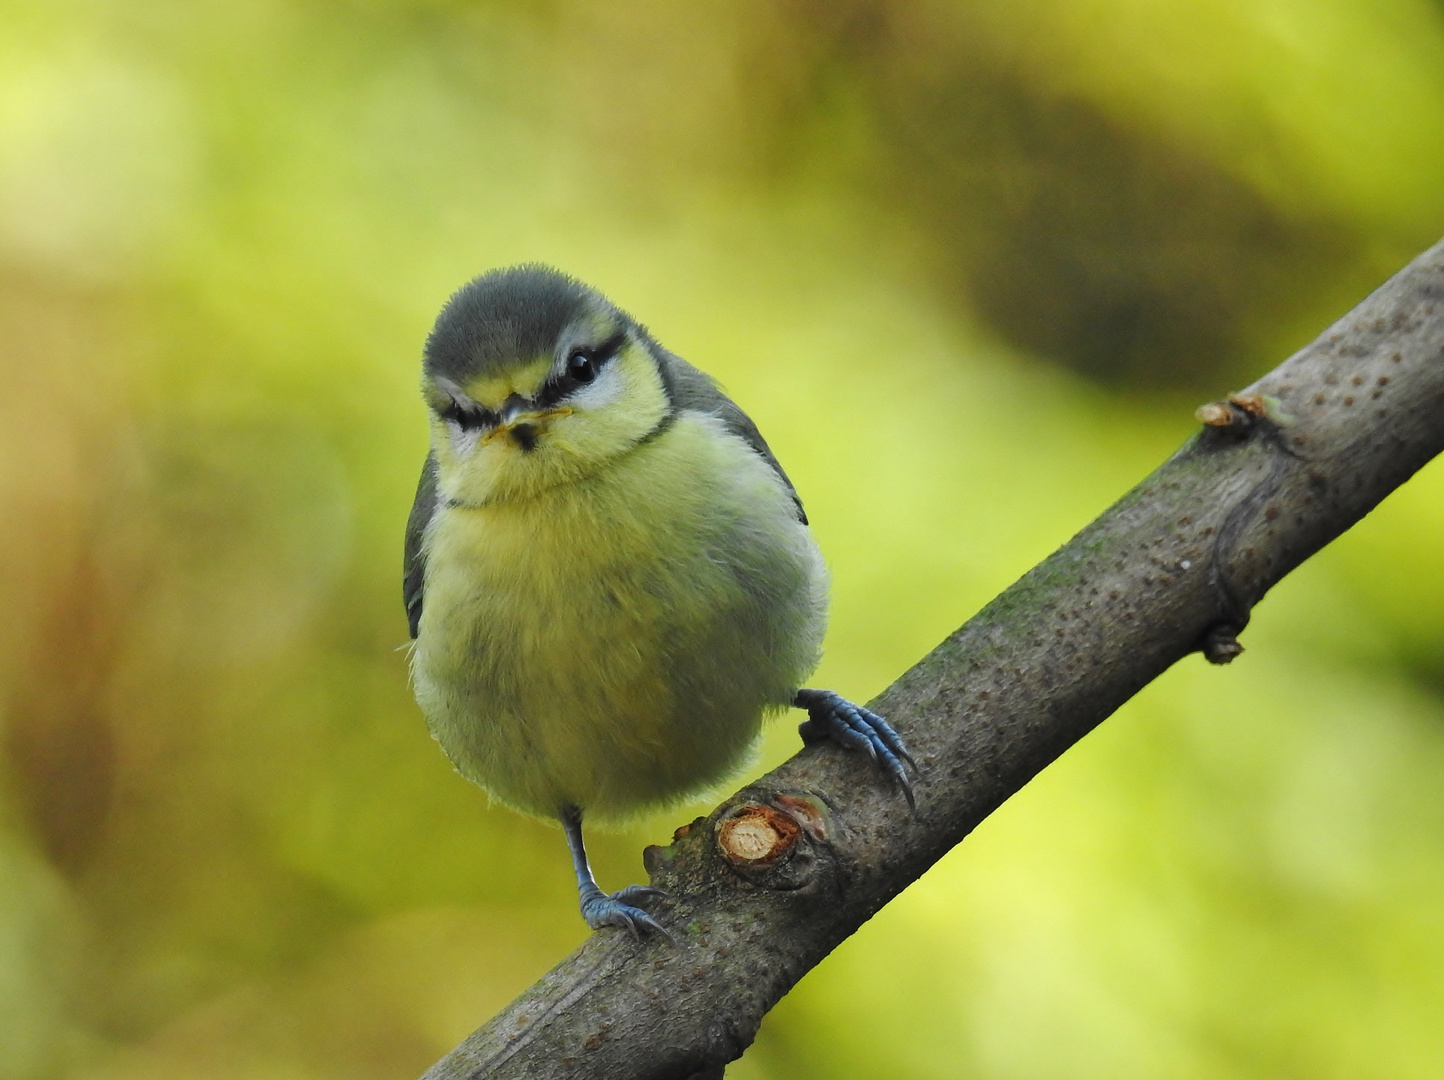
column 784, row 870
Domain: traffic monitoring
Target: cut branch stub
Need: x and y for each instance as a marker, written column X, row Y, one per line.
column 753, row 837
column 781, row 844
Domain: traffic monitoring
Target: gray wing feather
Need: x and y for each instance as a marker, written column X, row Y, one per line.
column 413, row 582
column 692, row 388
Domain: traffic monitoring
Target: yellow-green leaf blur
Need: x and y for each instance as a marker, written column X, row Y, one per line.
column 969, row 266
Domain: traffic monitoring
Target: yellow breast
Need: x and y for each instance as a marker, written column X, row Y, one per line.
column 613, row 643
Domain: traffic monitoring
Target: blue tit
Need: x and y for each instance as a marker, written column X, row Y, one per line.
column 608, row 576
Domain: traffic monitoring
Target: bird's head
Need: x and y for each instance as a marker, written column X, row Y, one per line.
column 534, row 380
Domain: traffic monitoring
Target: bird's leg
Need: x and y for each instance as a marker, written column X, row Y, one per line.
column 598, row 908
column 832, row 716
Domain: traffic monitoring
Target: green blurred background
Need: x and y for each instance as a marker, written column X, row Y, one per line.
column 969, row 265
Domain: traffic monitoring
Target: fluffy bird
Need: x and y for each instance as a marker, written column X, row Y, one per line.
column 608, row 576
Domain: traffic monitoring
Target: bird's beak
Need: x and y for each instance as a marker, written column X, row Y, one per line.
column 521, row 422
column 511, row 409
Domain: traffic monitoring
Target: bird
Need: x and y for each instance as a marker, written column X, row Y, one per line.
column 608, row 577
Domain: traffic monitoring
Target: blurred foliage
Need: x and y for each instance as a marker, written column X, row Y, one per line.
column 969, row 266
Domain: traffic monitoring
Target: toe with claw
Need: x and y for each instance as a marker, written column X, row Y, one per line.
column 598, row 908
column 619, row 909
column 832, row 716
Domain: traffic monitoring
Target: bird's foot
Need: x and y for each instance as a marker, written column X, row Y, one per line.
column 619, row 909
column 832, row 716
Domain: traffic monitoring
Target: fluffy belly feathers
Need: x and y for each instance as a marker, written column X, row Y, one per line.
column 613, row 643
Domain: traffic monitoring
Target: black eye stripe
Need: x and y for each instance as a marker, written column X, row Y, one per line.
column 600, row 354
column 468, row 415
column 469, row 419
column 452, row 405
column 560, row 386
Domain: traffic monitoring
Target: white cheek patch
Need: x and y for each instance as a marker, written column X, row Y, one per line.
column 463, row 440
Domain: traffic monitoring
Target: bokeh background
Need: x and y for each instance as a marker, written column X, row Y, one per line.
column 970, row 265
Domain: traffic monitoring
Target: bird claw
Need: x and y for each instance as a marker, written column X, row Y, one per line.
column 832, row 716
column 600, row 910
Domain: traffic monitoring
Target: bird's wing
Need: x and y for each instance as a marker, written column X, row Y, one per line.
column 413, row 582
column 692, row 388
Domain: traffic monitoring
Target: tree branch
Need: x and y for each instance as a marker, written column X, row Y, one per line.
column 783, row 871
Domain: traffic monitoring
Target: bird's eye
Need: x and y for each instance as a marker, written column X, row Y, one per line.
column 582, row 367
